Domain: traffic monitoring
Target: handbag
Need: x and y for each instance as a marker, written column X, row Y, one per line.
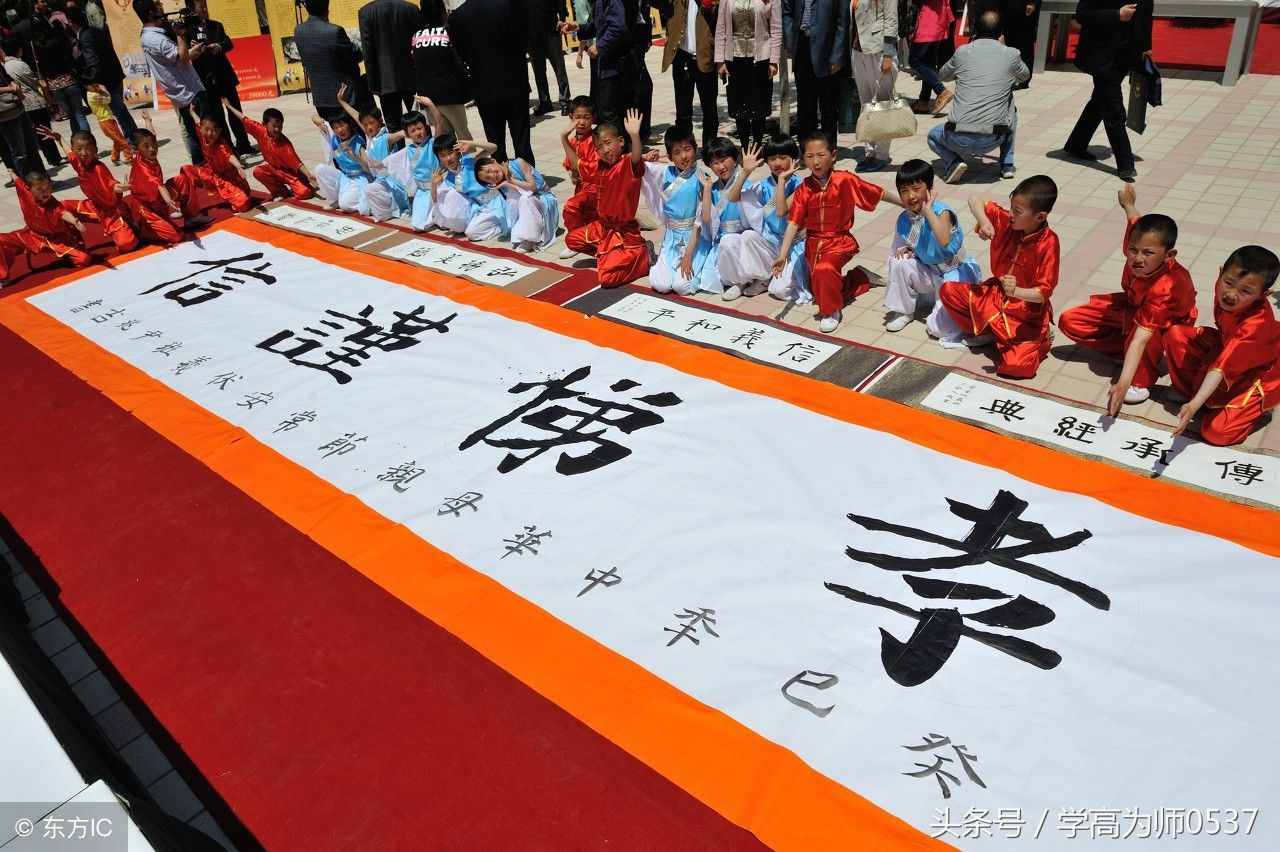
column 882, row 120
column 1144, row 91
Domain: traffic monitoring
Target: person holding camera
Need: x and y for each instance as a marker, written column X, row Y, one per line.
column 169, row 59
column 217, row 75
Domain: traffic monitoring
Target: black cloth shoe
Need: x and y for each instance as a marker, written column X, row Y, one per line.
column 542, row 108
column 1079, row 154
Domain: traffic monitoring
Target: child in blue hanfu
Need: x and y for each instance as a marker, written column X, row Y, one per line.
column 341, row 177
column 722, row 216
column 377, row 147
column 512, row 202
column 402, row 179
column 928, row 249
column 451, row 207
column 674, row 191
column 764, row 206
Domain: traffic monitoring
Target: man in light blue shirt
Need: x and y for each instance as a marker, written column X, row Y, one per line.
column 169, row 60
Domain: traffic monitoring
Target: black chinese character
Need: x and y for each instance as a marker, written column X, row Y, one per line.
column 709, row 326
column 295, row 420
column 1009, row 409
column 661, row 313
column 693, row 619
column 596, row 577
column 1242, row 472
column 152, row 334
column 821, row 681
column 401, row 475
column 254, row 399
column 527, row 540
column 1082, row 430
column 803, row 351
column 224, row 379
column 195, row 293
column 749, row 338
column 938, row 631
column 401, row 335
column 501, row 272
column 936, row 741
column 455, row 505
column 188, row 365
column 342, row 446
column 548, row 419
column 114, row 312
column 167, row 349
column 1145, row 448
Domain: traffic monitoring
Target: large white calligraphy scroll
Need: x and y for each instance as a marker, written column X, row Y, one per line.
column 1133, row 673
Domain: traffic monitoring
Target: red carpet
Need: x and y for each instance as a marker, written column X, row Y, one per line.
column 327, row 714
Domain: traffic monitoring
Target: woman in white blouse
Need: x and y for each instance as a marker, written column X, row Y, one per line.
column 748, row 48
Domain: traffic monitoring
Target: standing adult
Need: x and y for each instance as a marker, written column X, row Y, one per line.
column 582, row 14
column 929, row 39
column 690, row 54
column 1114, row 37
column 15, row 128
column 50, row 49
column 1021, row 19
column 748, row 50
column 439, row 70
column 100, row 66
column 330, row 61
column 816, row 33
column 169, row 57
column 875, row 65
column 493, row 47
column 385, row 27
column 33, row 104
column 545, row 45
column 983, row 115
column 219, row 78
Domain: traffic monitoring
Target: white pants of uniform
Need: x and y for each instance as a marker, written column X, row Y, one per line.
column 666, row 277
column 530, row 222
column 452, row 210
column 745, row 257
column 793, row 281
column 348, row 193
column 912, row 284
column 381, row 202
column 872, row 85
column 483, row 226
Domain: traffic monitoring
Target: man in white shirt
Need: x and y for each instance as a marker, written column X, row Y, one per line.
column 169, row 60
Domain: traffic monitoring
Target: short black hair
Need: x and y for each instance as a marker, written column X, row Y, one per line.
column 443, row 142
column 1039, row 191
column 480, row 163
column 271, row 113
column 914, row 171
column 35, row 176
column 371, row 112
column 1163, row 227
column 1255, row 260
column 318, row 8
column 609, row 123
column 343, row 119
column 413, row 117
column 83, row 136
column 582, row 102
column 678, row 133
column 11, row 46
column 722, row 147
column 781, row 146
column 988, row 25
column 142, row 133
column 817, row 136
column 144, row 9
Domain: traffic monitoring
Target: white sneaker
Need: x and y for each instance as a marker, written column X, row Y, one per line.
column 1133, row 395
column 951, row 343
column 980, row 340
column 827, row 325
column 731, row 293
column 567, row 253
column 897, row 322
column 957, row 172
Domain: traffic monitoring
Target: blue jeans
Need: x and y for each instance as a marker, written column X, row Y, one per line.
column 121, row 111
column 923, row 56
column 71, row 99
column 952, row 146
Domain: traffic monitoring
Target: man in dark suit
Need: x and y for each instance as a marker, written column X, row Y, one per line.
column 816, row 34
column 488, row 36
column 1114, row 37
column 621, row 33
column 386, row 35
column 219, row 78
column 545, row 45
column 330, row 60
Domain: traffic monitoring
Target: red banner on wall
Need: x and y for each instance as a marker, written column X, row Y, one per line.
column 255, row 64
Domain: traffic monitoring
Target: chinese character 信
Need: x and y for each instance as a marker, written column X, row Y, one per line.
column 938, row 630
column 401, row 334
column 548, row 419
column 799, row 352
column 196, row 292
column 701, row 617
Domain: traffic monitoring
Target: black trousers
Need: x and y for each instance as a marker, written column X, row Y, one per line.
column 42, row 118
column 750, row 98
column 232, row 128
column 1105, row 107
column 17, row 134
column 394, row 105
column 817, row 97
column 686, row 77
column 502, row 114
column 543, row 48
column 630, row 88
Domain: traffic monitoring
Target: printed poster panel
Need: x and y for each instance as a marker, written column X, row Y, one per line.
column 943, row 638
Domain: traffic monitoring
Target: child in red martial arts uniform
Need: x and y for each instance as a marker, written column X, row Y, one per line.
column 1232, row 371
column 159, row 205
column 1012, row 306
column 281, row 171
column 823, row 206
column 613, row 238
column 581, row 206
column 220, row 173
column 51, row 225
column 1157, row 293
column 101, row 190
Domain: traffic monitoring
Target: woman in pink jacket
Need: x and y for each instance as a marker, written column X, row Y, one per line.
column 748, row 48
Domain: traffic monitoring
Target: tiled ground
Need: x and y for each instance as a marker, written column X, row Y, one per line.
column 1210, row 158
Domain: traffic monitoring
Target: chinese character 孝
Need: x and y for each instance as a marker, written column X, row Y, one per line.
column 401, row 475
column 356, row 345
column 546, row 414
column 693, row 619
column 938, row 631
column 213, row 278
column 937, row 741
column 526, row 541
column 596, row 577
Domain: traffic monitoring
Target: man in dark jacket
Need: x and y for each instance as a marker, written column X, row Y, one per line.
column 621, row 30
column 487, row 38
column 330, row 61
column 386, row 35
column 101, row 66
column 816, row 35
column 1114, row 37
column 219, row 78
column 545, row 46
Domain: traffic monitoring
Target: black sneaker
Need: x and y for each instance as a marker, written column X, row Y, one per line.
column 542, row 108
column 564, row 108
column 1128, row 175
column 1079, row 154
